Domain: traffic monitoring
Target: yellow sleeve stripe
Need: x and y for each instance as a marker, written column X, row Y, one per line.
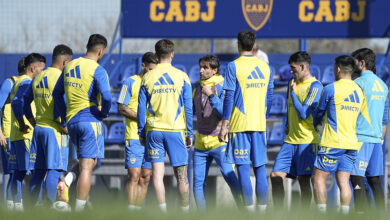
column 312, row 96
column 123, row 94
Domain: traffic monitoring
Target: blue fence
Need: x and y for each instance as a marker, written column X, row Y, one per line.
column 322, row 66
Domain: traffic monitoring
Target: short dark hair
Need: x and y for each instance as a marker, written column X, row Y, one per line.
column 368, row 56
column 33, row 58
column 246, row 39
column 212, row 60
column 164, row 48
column 300, row 57
column 96, row 40
column 60, row 50
column 346, row 63
column 149, row 57
column 21, row 66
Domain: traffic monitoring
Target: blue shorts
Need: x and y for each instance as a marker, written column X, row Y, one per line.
column 88, row 138
column 244, row 147
column 369, row 160
column 295, row 159
column 135, row 155
column 5, row 157
column 157, row 142
column 51, row 147
column 21, row 158
column 333, row 159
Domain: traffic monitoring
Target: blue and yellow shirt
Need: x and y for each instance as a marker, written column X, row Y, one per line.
column 165, row 101
column 82, row 81
column 19, row 110
column 41, row 92
column 129, row 97
column 376, row 92
column 339, row 107
column 5, row 105
column 301, row 105
column 249, row 78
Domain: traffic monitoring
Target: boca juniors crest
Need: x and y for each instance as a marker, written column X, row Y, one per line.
column 256, row 12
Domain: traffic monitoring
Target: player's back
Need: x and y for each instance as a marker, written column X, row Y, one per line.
column 43, row 86
column 15, row 133
column 6, row 111
column 249, row 110
column 81, row 89
column 369, row 127
column 165, row 85
column 131, row 125
column 345, row 103
column 301, row 131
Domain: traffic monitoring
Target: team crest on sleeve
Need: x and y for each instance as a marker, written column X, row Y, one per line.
column 256, row 12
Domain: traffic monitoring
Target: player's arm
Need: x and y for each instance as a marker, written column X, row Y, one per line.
column 18, row 103
column 385, row 119
column 28, row 97
column 304, row 110
column 59, row 100
column 5, row 89
column 124, row 99
column 101, row 80
column 216, row 102
column 229, row 87
column 270, row 93
column 322, row 105
column 188, row 111
column 143, row 98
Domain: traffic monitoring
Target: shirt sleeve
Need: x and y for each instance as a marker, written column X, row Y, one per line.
column 270, row 93
column 59, row 100
column 18, row 102
column 228, row 104
column 5, row 90
column 103, row 85
column 143, row 99
column 385, row 119
column 126, row 90
column 230, row 77
column 304, row 110
column 322, row 105
column 216, row 102
column 187, row 97
column 28, row 98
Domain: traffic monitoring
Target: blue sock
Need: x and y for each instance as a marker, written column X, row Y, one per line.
column 17, row 182
column 53, row 176
column 245, row 183
column 261, row 185
column 9, row 187
column 36, row 182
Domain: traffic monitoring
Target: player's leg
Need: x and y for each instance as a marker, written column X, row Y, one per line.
column 375, row 171
column 304, row 161
column 5, row 152
column 319, row 182
column 143, row 184
column 345, row 166
column 133, row 164
column 259, row 160
column 201, row 160
column 132, row 186
column 357, row 177
column 156, row 155
column 84, row 182
column 228, row 173
column 52, row 178
column 35, row 184
column 282, row 166
column 89, row 139
column 178, row 156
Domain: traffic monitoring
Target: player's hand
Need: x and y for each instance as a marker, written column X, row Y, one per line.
column 3, row 140
column 293, row 85
column 142, row 141
column 189, row 142
column 99, row 108
column 64, row 130
column 286, row 130
column 222, row 134
column 206, row 89
column 24, row 128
